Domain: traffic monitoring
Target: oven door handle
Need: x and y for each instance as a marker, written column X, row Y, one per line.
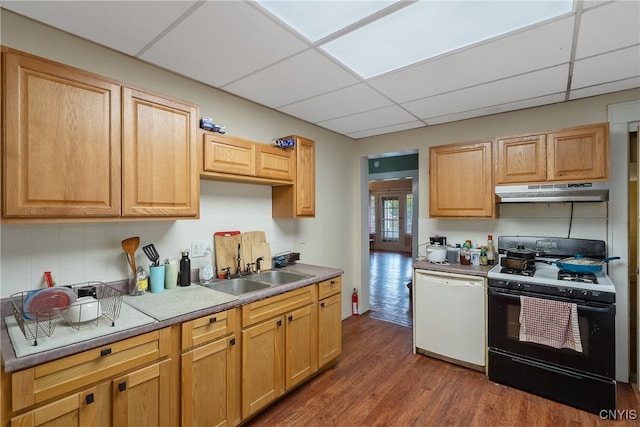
column 545, row 367
column 580, row 307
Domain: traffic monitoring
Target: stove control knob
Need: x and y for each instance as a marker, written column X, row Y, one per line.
column 585, row 293
column 570, row 291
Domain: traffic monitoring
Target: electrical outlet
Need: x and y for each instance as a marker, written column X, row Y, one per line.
column 302, row 239
column 198, row 248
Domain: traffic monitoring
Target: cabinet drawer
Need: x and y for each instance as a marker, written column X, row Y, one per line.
column 229, row 155
column 329, row 287
column 62, row 376
column 207, row 328
column 267, row 308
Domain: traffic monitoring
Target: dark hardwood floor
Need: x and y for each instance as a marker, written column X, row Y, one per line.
column 389, row 273
column 378, row 381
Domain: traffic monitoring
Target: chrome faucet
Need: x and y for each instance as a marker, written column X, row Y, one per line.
column 239, row 267
column 258, row 264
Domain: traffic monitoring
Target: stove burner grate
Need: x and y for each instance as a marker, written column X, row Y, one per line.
column 528, row 272
column 571, row 276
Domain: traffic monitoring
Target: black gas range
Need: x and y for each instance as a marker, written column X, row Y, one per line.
column 581, row 374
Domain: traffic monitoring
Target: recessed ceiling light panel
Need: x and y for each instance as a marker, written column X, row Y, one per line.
column 316, row 19
column 430, row 28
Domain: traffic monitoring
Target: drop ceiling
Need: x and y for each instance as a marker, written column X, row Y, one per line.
column 305, row 70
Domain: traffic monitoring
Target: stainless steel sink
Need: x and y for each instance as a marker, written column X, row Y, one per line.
column 237, row 286
column 278, row 277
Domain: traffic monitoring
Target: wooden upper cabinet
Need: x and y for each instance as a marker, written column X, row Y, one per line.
column 274, row 162
column 579, row 154
column 461, row 180
column 61, row 155
column 159, row 174
column 521, row 159
column 229, row 155
column 568, row 155
column 298, row 200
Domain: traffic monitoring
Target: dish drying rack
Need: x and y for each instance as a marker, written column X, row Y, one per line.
column 40, row 324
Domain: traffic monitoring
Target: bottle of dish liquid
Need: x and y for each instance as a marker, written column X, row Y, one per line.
column 206, row 269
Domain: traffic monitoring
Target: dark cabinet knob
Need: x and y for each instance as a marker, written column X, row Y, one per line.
column 279, row 323
column 89, row 398
column 105, row 351
column 122, row 386
column 213, row 320
column 290, row 318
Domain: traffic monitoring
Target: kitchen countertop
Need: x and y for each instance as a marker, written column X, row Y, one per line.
column 470, row 270
column 192, row 306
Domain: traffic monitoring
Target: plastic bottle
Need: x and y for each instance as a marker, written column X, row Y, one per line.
column 491, row 251
column 206, row 269
column 185, row 269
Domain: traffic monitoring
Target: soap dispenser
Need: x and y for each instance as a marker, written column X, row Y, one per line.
column 206, row 269
column 185, row 269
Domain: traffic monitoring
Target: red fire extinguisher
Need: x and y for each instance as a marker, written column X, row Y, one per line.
column 354, row 302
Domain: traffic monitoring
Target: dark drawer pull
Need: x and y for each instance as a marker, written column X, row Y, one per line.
column 89, row 398
column 232, row 341
column 212, row 320
column 290, row 318
column 122, row 386
column 279, row 323
column 333, row 282
column 105, row 351
column 322, row 304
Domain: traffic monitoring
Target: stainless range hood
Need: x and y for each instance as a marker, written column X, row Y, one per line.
column 572, row 192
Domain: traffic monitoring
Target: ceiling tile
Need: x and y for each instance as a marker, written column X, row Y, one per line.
column 126, row 26
column 386, row 129
column 608, row 27
column 300, row 77
column 600, row 89
column 618, row 65
column 342, row 102
column 208, row 47
column 540, row 47
column 379, row 118
column 530, row 85
column 496, row 109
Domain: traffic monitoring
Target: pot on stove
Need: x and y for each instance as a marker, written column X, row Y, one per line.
column 521, row 252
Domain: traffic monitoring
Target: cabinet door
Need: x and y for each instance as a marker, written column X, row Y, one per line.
column 77, row 409
column 262, row 365
column 229, row 155
column 160, row 174
column 329, row 329
column 305, row 177
column 209, row 390
column 141, row 398
column 274, row 162
column 521, row 159
column 461, row 181
column 61, row 141
column 579, row 154
column 301, row 345
column 298, row 200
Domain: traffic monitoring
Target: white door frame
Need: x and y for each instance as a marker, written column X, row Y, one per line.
column 620, row 116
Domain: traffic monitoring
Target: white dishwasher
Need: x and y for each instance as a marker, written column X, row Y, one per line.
column 449, row 316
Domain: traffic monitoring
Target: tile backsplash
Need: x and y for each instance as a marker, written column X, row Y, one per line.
column 81, row 252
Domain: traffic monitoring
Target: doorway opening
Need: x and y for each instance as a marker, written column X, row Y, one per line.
column 392, row 198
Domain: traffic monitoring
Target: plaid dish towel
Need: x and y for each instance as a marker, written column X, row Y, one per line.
column 552, row 323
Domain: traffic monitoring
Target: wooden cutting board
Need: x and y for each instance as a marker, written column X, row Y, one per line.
column 249, row 239
column 262, row 249
column 226, row 247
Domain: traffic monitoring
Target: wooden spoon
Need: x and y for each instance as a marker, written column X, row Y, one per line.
column 130, row 246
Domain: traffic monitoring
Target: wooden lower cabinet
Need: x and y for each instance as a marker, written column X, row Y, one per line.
column 329, row 320
column 76, row 410
column 140, row 398
column 281, row 352
column 126, row 383
column 210, row 372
